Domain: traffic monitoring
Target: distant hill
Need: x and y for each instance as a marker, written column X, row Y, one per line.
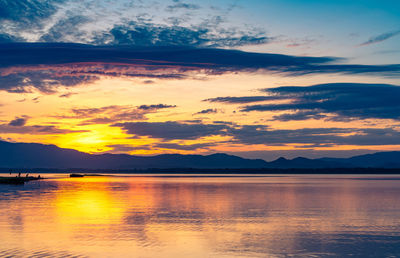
column 34, row 155
column 380, row 159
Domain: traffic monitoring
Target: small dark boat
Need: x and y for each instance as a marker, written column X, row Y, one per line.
column 76, row 175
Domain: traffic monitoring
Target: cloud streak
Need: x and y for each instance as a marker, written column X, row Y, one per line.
column 261, row 134
column 113, row 113
column 207, row 111
column 186, row 147
column 345, row 100
column 179, row 5
column 241, row 100
column 380, row 38
column 46, row 66
column 171, row 130
column 20, row 128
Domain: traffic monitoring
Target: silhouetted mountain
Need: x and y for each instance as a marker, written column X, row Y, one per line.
column 33, row 155
column 300, row 162
column 380, row 159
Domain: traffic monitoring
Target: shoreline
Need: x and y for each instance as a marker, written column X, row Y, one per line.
column 16, row 180
column 266, row 171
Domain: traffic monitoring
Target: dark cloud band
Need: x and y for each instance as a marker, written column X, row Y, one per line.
column 261, row 134
column 45, row 66
column 345, row 100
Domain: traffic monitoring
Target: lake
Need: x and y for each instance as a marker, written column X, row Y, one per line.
column 202, row 216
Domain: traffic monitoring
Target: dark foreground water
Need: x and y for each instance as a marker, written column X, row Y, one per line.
column 144, row 216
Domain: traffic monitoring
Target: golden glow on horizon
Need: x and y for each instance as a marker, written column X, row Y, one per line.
column 187, row 95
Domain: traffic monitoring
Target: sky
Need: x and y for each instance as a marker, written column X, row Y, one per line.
column 258, row 79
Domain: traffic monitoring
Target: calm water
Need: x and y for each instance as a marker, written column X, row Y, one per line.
column 143, row 216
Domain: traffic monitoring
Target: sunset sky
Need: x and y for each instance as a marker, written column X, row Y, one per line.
column 259, row 79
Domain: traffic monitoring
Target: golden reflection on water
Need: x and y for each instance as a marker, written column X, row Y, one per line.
column 90, row 201
column 93, row 206
column 201, row 216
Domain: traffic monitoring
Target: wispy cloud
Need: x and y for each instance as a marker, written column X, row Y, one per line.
column 22, row 128
column 155, row 107
column 125, row 23
column 147, row 34
column 187, row 147
column 381, row 37
column 207, row 111
column 241, row 100
column 113, row 114
column 178, row 5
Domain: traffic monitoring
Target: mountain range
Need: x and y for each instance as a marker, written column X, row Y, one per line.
column 34, row 155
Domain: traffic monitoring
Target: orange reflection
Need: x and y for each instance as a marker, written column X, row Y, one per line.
column 93, row 205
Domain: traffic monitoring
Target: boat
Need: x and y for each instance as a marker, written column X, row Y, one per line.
column 76, row 175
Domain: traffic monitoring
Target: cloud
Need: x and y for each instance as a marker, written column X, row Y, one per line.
column 26, row 20
column 319, row 136
column 157, row 106
column 47, row 66
column 171, row 130
column 133, row 23
column 113, row 114
column 67, row 95
column 18, row 121
column 67, row 30
column 380, row 38
column 6, row 38
column 46, row 81
column 345, row 100
column 148, row 82
column 35, row 129
column 85, row 112
column 261, row 134
column 207, row 111
column 124, row 148
column 27, row 11
column 187, row 147
column 300, row 115
column 148, row 34
column 176, row 57
column 377, row 70
column 314, row 137
column 178, row 5
column 241, row 100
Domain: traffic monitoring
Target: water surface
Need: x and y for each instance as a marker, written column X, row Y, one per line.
column 202, row 216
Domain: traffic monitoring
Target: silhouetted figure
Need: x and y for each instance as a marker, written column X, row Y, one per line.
column 38, row 176
column 19, row 174
column 27, row 174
